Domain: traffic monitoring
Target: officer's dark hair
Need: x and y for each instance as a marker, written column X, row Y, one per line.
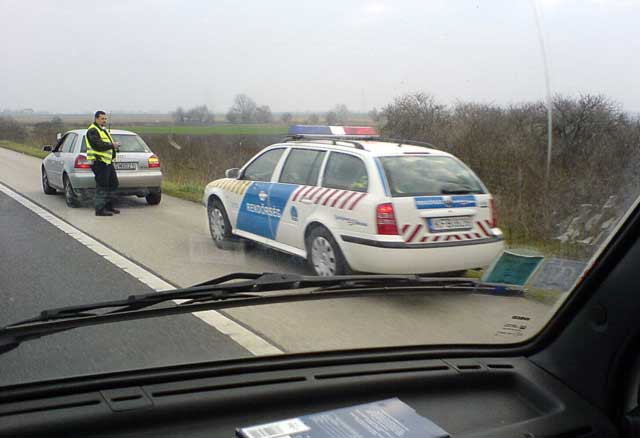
column 98, row 114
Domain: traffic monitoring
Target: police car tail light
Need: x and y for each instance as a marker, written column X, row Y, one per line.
column 386, row 219
column 81, row 162
column 494, row 213
column 154, row 161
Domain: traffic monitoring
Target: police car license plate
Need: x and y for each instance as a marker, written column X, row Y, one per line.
column 125, row 165
column 451, row 223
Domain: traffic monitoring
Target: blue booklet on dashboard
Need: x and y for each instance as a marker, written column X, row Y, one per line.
column 389, row 418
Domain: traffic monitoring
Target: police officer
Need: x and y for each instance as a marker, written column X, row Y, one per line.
column 101, row 150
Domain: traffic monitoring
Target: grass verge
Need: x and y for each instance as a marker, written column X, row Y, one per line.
column 187, row 191
column 23, row 148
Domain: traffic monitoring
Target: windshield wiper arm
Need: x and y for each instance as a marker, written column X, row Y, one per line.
column 234, row 290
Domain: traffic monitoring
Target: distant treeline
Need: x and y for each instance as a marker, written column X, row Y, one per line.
column 595, row 152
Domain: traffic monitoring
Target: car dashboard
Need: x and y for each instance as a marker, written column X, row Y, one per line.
column 470, row 397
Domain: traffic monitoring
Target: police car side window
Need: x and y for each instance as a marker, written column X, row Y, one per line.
column 302, row 167
column 345, row 172
column 262, row 167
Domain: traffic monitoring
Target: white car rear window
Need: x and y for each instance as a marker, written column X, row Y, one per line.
column 128, row 143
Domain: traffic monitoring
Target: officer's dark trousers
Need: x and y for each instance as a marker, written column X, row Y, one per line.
column 106, row 184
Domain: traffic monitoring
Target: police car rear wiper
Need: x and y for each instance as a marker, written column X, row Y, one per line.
column 234, row 290
column 462, row 190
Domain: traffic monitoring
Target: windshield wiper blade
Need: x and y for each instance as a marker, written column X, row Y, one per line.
column 234, row 290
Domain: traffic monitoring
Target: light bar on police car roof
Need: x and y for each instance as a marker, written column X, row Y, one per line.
column 338, row 131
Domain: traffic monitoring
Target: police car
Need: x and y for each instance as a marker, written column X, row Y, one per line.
column 347, row 200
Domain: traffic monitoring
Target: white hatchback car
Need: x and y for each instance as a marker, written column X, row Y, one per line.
column 66, row 168
column 346, row 201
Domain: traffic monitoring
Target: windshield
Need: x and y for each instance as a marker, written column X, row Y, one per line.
column 493, row 142
column 420, row 175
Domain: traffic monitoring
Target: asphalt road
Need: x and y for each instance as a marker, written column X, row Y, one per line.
column 41, row 268
column 172, row 240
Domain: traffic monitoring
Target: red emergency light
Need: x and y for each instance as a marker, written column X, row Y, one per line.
column 360, row 130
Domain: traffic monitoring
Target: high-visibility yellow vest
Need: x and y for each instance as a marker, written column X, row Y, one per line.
column 92, row 154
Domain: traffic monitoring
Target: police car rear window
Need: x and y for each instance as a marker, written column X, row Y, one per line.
column 302, row 167
column 428, row 175
column 345, row 172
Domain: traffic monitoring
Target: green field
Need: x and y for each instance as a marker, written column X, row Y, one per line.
column 249, row 129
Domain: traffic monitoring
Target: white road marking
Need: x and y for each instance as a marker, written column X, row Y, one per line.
column 246, row 338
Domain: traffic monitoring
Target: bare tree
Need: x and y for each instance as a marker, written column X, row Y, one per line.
column 375, row 115
column 313, row 119
column 286, row 118
column 263, row 114
column 243, row 110
column 339, row 115
column 199, row 115
column 178, row 116
column 331, row 118
column 416, row 116
column 342, row 114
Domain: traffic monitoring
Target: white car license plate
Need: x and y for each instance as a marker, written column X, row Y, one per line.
column 125, row 165
column 451, row 223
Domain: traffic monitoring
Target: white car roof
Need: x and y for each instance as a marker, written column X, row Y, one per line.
column 371, row 147
column 113, row 131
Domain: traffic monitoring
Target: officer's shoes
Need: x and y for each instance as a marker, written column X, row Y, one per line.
column 113, row 210
column 103, row 213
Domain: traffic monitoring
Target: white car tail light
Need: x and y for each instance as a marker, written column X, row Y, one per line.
column 154, row 161
column 81, row 162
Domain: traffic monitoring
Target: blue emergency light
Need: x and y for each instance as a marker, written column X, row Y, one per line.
column 323, row 130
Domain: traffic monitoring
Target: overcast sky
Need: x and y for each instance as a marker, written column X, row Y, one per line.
column 296, row 55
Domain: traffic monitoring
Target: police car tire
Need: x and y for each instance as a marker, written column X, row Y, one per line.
column 342, row 267
column 227, row 240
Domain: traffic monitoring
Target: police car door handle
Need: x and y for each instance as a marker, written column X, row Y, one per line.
column 307, row 201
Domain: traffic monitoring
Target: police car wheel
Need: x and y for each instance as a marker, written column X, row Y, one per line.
column 324, row 254
column 219, row 225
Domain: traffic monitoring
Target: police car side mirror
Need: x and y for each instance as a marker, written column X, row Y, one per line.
column 232, row 173
column 46, row 148
column 58, row 136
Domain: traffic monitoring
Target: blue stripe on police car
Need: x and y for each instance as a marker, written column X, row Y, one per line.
column 262, row 206
column 456, row 201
